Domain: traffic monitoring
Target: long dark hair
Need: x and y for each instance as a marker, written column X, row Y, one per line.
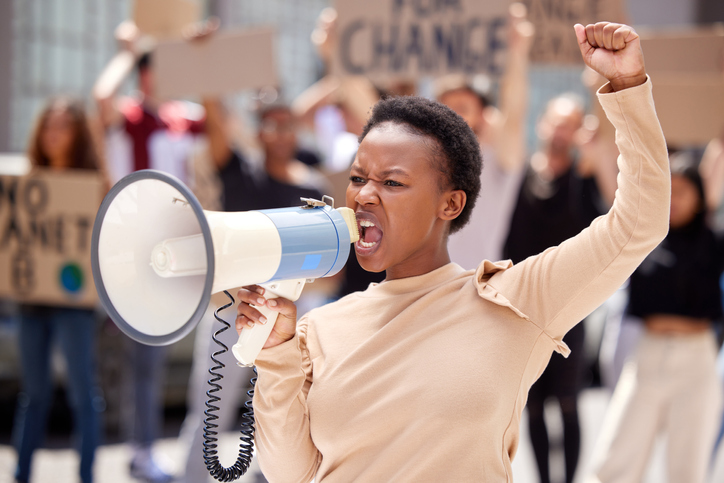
column 83, row 151
column 684, row 165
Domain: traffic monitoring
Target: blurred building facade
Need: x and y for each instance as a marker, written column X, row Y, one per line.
column 51, row 47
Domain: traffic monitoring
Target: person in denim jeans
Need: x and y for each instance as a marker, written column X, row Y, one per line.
column 74, row 330
column 61, row 140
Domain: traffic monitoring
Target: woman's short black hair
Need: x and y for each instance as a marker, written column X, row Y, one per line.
column 456, row 150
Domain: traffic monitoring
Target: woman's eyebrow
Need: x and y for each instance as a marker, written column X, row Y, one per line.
column 383, row 174
column 397, row 171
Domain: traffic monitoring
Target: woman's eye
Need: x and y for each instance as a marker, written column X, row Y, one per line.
column 356, row 179
column 390, row 182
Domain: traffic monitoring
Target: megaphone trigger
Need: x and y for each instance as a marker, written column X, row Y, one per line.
column 252, row 340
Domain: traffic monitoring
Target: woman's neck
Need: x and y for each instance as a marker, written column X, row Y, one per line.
column 422, row 263
column 59, row 162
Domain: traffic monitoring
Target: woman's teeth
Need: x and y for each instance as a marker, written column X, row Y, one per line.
column 364, row 224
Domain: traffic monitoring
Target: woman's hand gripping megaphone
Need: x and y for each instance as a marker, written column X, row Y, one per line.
column 260, row 306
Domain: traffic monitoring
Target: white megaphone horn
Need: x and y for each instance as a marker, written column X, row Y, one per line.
column 157, row 256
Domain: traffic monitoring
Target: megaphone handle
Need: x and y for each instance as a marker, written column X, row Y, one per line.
column 252, row 340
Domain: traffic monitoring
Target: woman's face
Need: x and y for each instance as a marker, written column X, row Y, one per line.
column 402, row 207
column 277, row 133
column 685, row 201
column 56, row 138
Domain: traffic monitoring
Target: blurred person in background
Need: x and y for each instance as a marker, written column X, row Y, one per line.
column 556, row 200
column 336, row 109
column 143, row 132
column 502, row 139
column 60, row 141
column 670, row 385
column 711, row 170
column 279, row 182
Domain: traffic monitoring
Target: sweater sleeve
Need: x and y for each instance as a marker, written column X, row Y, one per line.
column 557, row 288
column 284, row 444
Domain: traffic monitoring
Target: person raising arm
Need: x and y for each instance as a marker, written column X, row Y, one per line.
column 424, row 377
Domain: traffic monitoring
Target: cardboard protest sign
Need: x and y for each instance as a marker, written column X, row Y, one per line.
column 406, row 39
column 46, row 221
column 555, row 40
column 687, row 71
column 691, row 111
column 165, row 19
column 221, row 64
column 692, row 51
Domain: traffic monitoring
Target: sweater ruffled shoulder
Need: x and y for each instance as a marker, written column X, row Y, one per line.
column 487, row 291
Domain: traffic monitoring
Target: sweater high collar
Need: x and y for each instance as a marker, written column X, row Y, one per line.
column 407, row 285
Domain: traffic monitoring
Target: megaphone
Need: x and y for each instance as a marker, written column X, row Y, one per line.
column 157, row 256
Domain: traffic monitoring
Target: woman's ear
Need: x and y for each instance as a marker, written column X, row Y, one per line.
column 454, row 203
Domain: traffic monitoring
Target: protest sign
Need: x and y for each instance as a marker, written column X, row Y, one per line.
column 690, row 50
column 224, row 63
column 165, row 19
column 555, row 40
column 691, row 111
column 46, row 221
column 406, row 39
column 687, row 70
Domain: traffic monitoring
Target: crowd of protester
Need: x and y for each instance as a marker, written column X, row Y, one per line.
column 530, row 201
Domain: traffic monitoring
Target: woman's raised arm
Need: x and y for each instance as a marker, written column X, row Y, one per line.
column 559, row 287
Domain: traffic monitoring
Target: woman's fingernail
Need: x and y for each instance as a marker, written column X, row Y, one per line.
column 250, row 324
column 272, row 303
column 262, row 319
column 260, row 300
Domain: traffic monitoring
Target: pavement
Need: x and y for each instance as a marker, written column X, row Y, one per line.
column 60, row 465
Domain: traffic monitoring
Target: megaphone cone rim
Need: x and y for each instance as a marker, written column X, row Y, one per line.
column 103, row 296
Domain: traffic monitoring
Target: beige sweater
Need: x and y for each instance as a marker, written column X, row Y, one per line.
column 425, row 378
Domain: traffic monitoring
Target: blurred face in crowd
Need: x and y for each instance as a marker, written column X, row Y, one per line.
column 467, row 105
column 685, row 201
column 558, row 128
column 401, row 200
column 146, row 82
column 277, row 133
column 57, row 137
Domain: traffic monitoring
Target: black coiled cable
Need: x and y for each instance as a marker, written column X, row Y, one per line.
column 246, row 446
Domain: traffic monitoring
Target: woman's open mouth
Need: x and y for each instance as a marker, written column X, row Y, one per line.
column 370, row 234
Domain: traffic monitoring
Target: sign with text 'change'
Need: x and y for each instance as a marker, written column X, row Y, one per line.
column 406, row 39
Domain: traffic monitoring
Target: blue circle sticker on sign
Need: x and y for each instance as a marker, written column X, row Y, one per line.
column 71, row 277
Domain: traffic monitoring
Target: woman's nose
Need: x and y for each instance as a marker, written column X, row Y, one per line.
column 367, row 194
